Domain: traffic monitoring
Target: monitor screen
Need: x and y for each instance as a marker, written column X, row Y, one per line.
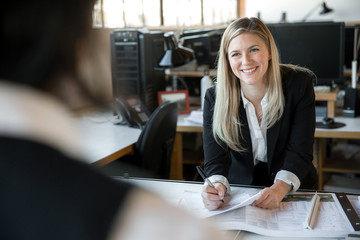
column 318, row 46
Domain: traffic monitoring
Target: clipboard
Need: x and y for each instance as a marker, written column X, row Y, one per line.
column 349, row 210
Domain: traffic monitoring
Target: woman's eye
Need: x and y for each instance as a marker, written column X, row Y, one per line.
column 254, row 50
column 235, row 54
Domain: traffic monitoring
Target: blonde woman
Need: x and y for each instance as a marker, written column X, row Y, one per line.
column 259, row 119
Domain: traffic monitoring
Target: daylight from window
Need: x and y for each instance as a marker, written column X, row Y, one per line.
column 147, row 13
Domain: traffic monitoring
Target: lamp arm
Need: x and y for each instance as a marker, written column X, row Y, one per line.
column 310, row 13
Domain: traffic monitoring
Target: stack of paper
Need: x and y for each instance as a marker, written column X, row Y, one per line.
column 285, row 221
column 195, row 117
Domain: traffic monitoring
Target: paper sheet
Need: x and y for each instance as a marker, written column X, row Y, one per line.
column 286, row 221
column 195, row 117
column 194, row 204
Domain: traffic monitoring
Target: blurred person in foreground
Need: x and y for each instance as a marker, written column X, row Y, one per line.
column 47, row 191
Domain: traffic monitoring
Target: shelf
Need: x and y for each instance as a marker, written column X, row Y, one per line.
column 341, row 166
column 195, row 73
column 200, row 73
column 343, row 183
column 347, row 73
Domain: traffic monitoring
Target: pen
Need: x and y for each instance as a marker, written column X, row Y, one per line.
column 311, row 217
column 206, row 179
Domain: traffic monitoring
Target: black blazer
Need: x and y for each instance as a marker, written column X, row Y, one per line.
column 47, row 195
column 289, row 142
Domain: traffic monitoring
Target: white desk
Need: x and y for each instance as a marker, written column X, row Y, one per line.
column 172, row 192
column 104, row 141
column 350, row 131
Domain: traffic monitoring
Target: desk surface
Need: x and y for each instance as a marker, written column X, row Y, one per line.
column 172, row 191
column 105, row 141
column 186, row 126
column 350, row 131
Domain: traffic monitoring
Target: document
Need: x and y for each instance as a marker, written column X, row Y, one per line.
column 194, row 204
column 195, row 117
column 285, row 221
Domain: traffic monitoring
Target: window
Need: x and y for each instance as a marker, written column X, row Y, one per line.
column 126, row 13
column 220, row 12
column 182, row 12
column 157, row 13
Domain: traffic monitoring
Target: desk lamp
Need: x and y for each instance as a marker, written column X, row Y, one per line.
column 325, row 10
column 175, row 55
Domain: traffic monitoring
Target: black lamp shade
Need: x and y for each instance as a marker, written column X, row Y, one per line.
column 175, row 55
column 325, row 9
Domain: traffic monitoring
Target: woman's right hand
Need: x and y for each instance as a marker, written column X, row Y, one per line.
column 213, row 197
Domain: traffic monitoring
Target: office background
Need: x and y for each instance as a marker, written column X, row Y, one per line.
column 344, row 11
column 98, row 71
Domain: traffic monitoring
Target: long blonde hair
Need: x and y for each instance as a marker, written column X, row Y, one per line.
column 227, row 127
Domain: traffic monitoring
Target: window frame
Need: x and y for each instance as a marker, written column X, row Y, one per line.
column 240, row 12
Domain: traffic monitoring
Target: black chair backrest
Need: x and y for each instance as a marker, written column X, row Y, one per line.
column 156, row 141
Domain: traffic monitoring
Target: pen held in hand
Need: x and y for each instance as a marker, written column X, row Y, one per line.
column 206, row 179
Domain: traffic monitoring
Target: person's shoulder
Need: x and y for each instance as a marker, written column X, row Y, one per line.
column 212, row 89
column 297, row 74
column 211, row 92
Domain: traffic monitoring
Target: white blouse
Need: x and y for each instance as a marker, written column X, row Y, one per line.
column 257, row 130
column 259, row 146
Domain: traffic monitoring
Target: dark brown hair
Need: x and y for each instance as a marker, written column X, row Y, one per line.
column 39, row 38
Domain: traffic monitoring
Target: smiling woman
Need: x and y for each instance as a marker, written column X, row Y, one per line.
column 259, row 118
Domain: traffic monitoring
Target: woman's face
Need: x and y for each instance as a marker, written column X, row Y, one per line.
column 249, row 58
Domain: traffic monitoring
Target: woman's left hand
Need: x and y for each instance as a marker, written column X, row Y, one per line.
column 271, row 197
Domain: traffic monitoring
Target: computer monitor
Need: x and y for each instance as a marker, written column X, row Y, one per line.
column 205, row 43
column 318, row 46
column 206, row 47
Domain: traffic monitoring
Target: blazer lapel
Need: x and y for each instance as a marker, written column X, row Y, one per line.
column 246, row 133
column 271, row 139
column 273, row 133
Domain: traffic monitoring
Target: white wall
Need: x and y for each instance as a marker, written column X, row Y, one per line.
column 271, row 10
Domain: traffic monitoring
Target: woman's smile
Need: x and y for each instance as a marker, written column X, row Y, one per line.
column 249, row 70
column 249, row 58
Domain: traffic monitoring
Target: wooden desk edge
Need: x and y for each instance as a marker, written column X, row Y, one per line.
column 115, row 156
column 326, row 96
column 189, row 129
column 337, row 134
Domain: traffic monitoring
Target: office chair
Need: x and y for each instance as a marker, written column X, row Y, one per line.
column 153, row 150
